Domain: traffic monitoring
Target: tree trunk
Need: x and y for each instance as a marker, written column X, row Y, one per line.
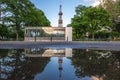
column 93, row 36
column 17, row 30
column 17, row 36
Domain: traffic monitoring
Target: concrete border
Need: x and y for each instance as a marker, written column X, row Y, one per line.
column 96, row 45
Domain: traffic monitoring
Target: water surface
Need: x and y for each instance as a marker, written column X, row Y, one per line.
column 59, row 64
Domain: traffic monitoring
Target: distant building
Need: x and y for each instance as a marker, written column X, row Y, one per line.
column 59, row 33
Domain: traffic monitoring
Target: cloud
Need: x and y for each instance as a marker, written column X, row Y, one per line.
column 93, row 2
column 89, row 0
column 96, row 3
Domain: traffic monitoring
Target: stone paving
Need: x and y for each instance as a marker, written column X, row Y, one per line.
column 99, row 45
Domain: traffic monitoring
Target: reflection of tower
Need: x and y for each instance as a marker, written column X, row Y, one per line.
column 60, row 21
column 60, row 60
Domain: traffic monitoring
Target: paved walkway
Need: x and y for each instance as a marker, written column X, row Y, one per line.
column 99, row 45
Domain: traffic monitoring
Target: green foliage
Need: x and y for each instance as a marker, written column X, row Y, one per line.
column 80, row 10
column 3, row 31
column 98, row 18
column 103, row 35
column 17, row 13
column 36, row 18
column 115, row 34
column 79, row 22
column 89, row 19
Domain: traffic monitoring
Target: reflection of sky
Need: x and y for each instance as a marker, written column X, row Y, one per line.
column 3, row 76
column 51, row 71
column 7, row 59
column 7, row 68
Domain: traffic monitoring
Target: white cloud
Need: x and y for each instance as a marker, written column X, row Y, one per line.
column 95, row 3
column 89, row 0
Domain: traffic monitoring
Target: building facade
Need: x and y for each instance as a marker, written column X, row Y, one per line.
column 48, row 34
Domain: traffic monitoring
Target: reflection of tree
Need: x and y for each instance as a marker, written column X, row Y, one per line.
column 3, row 52
column 22, row 68
column 97, row 63
column 113, row 71
column 43, row 33
column 37, row 33
column 11, row 61
column 28, row 70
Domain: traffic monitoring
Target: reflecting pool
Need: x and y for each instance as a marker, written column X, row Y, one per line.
column 59, row 64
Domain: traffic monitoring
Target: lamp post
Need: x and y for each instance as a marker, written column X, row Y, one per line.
column 118, row 19
column 87, row 34
column 35, row 34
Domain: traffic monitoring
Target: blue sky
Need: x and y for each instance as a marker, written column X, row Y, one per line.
column 51, row 9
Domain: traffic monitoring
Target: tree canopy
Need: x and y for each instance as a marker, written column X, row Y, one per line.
column 89, row 19
column 16, row 13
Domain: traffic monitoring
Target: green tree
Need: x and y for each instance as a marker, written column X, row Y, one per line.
column 36, row 18
column 22, row 12
column 98, row 18
column 90, row 19
column 79, row 23
column 3, row 32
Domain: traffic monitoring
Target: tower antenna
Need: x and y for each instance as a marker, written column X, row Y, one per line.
column 60, row 21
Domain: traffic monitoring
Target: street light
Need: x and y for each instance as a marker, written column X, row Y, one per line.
column 118, row 19
column 87, row 35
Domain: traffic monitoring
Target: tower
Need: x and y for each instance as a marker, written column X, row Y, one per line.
column 60, row 21
column 60, row 61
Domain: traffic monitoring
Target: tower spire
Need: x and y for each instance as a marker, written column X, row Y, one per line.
column 60, row 21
